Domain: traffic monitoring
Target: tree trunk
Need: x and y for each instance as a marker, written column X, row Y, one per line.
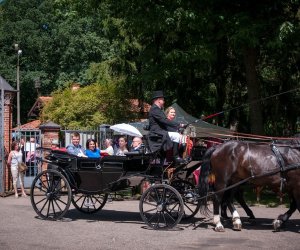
column 255, row 116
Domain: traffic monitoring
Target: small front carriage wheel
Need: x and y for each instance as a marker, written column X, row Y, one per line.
column 187, row 192
column 89, row 203
column 50, row 194
column 161, row 207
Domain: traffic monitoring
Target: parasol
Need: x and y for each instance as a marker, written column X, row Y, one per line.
column 127, row 129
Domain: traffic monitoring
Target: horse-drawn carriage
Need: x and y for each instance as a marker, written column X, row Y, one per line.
column 87, row 183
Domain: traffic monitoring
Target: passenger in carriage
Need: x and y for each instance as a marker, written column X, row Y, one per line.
column 109, row 150
column 136, row 144
column 160, row 124
column 54, row 144
column 171, row 114
column 92, row 151
column 75, row 148
column 122, row 146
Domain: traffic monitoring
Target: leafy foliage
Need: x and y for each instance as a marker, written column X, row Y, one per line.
column 209, row 56
column 87, row 107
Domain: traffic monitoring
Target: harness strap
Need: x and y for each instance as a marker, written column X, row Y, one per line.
column 281, row 165
column 278, row 157
column 249, row 162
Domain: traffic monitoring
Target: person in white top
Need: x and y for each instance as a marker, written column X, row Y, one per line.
column 122, row 146
column 109, row 148
column 14, row 158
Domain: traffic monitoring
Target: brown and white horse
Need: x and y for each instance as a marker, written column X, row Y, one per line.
column 236, row 162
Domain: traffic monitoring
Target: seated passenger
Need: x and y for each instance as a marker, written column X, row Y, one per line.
column 54, row 144
column 122, row 147
column 92, row 151
column 136, row 144
column 109, row 149
column 75, row 148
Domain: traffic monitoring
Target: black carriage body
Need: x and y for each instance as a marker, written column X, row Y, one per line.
column 87, row 182
column 92, row 175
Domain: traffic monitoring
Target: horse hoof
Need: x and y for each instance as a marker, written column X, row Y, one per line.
column 237, row 227
column 237, row 224
column 277, row 224
column 219, row 229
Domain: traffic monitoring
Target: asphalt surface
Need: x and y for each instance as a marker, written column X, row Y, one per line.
column 119, row 226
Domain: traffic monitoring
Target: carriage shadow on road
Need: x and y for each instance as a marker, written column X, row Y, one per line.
column 105, row 215
column 196, row 223
column 117, row 216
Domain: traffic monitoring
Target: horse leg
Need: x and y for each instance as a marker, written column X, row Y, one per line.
column 282, row 218
column 236, row 220
column 224, row 205
column 239, row 196
column 217, row 219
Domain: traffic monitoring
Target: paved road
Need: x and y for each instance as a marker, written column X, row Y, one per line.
column 119, row 226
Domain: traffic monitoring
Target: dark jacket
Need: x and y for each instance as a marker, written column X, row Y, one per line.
column 160, row 125
column 158, row 120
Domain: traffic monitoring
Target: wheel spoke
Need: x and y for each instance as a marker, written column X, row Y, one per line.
column 170, row 216
column 54, row 214
column 44, row 205
column 150, row 210
column 186, row 189
column 87, row 203
column 48, row 209
column 166, row 212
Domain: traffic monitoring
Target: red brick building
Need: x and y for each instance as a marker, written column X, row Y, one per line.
column 6, row 101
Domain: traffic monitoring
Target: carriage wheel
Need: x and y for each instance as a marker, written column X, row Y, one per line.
column 50, row 195
column 191, row 203
column 89, row 203
column 161, row 207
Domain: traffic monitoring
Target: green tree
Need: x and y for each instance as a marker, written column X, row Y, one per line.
column 59, row 40
column 87, row 107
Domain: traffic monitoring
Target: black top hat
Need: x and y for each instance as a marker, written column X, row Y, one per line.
column 158, row 94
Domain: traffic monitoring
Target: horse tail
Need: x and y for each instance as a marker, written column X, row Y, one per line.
column 205, row 180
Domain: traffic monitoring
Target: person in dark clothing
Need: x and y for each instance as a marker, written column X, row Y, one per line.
column 160, row 124
column 136, row 144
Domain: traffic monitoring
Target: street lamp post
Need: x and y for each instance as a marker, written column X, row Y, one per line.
column 19, row 52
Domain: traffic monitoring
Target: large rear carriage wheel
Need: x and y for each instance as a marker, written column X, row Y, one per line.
column 89, row 203
column 161, row 207
column 50, row 195
column 191, row 203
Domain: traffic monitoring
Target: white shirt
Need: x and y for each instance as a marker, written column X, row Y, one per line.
column 109, row 150
column 121, row 152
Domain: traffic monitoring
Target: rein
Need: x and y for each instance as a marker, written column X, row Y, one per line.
column 239, row 183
